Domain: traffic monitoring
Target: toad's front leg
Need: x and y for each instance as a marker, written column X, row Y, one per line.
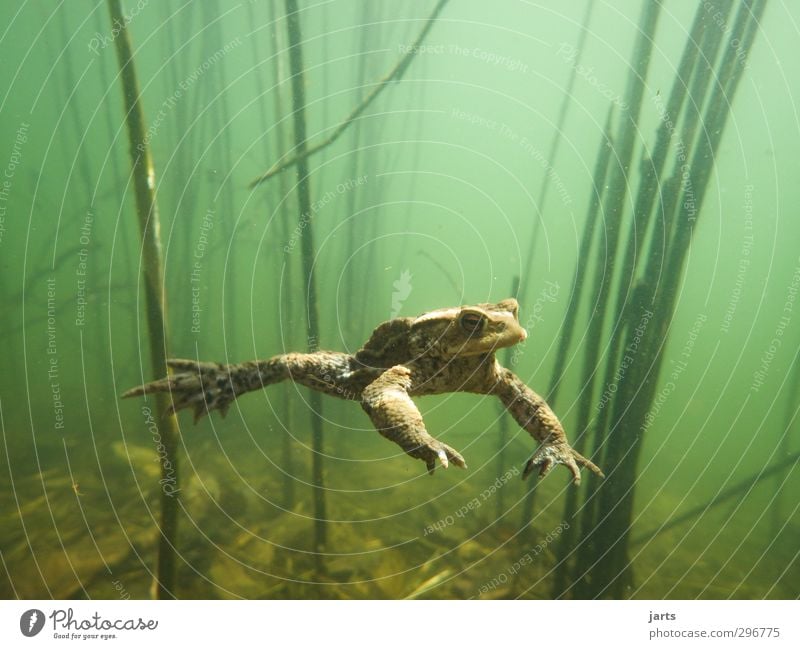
column 534, row 415
column 394, row 414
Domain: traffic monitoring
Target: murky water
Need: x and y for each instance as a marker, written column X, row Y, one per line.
column 430, row 197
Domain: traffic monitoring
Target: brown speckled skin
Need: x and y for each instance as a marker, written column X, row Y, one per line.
column 448, row 350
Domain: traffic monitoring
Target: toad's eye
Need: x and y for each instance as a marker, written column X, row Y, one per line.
column 472, row 323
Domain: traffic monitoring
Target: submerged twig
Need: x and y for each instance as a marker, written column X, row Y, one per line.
column 394, row 74
column 445, row 273
column 743, row 486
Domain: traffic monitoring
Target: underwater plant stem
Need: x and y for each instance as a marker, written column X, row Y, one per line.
column 216, row 103
column 649, row 188
column 585, row 252
column 69, row 80
column 566, row 101
column 635, row 299
column 613, row 208
column 288, row 303
column 613, row 205
column 569, row 535
column 652, row 166
column 147, row 210
column 581, row 266
column 609, row 569
column 630, row 296
column 351, row 304
column 394, row 75
column 279, row 210
column 617, row 181
column 307, row 249
column 116, row 172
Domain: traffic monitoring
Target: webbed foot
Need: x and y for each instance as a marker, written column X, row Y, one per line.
column 201, row 386
column 548, row 455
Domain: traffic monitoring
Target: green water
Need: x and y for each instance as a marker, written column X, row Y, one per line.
column 428, row 200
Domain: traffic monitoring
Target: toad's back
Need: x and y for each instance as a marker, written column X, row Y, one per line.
column 388, row 345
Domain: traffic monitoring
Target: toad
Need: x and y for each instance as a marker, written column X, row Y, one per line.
column 446, row 350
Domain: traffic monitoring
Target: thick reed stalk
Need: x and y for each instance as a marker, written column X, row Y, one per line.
column 307, row 250
column 585, row 253
column 652, row 166
column 618, row 173
column 692, row 76
column 650, row 188
column 614, row 203
column 633, row 302
column 616, row 191
column 116, row 172
column 612, row 440
column 587, row 250
column 608, row 572
column 155, row 303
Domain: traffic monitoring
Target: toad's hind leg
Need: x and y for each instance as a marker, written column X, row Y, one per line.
column 205, row 387
column 394, row 414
